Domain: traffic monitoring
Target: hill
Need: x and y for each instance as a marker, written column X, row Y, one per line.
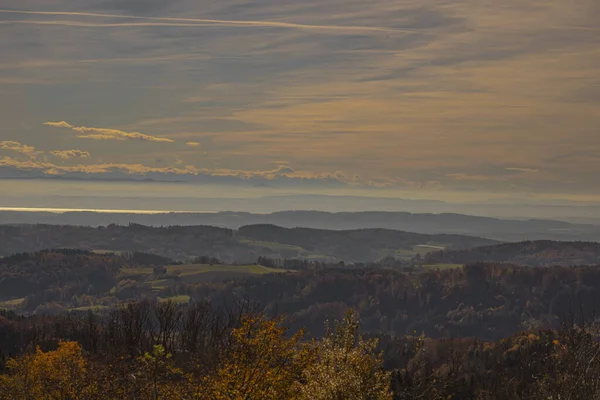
column 536, row 253
column 243, row 246
column 494, row 228
column 484, row 300
column 58, row 280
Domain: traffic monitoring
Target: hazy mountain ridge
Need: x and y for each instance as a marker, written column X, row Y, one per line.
column 245, row 245
column 493, row 228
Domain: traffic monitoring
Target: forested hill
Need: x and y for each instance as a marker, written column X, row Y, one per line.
column 536, row 253
column 244, row 245
column 487, row 301
column 358, row 244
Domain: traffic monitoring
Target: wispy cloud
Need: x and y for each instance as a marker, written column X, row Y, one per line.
column 522, row 169
column 468, row 177
column 68, row 154
column 393, row 92
column 190, row 22
column 106, row 134
column 81, row 24
column 192, row 144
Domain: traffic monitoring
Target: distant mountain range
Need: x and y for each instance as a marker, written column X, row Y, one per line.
column 511, row 230
column 258, row 200
column 245, row 245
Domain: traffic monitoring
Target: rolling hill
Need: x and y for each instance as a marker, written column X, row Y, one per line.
column 242, row 246
column 529, row 253
column 509, row 230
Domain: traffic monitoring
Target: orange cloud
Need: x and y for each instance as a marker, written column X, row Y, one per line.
column 281, row 171
column 68, row 154
column 192, row 144
column 61, row 124
column 19, row 148
column 106, row 134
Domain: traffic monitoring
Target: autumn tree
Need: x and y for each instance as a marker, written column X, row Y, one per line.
column 261, row 362
column 54, row 375
column 346, row 367
column 160, row 379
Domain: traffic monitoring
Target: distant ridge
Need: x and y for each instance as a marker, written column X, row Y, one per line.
column 245, row 245
column 493, row 228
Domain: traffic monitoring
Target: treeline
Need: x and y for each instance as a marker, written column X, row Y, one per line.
column 357, row 245
column 528, row 253
column 176, row 242
column 487, row 301
column 152, row 350
column 63, row 276
column 245, row 245
column 52, row 281
column 530, row 365
column 484, row 300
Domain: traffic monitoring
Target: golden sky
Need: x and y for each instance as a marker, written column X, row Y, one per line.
column 462, row 95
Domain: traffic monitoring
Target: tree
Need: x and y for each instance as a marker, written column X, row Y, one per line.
column 346, row 367
column 159, row 378
column 261, row 363
column 56, row 375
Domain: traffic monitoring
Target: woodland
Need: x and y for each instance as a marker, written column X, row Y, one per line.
column 501, row 321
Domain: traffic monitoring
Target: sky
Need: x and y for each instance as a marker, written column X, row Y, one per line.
column 397, row 96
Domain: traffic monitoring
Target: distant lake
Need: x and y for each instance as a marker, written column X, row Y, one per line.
column 65, row 210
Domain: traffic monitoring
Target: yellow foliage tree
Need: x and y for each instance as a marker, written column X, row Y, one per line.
column 346, row 367
column 52, row 375
column 262, row 363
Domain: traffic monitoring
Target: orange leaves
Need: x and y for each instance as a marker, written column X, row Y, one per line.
column 261, row 363
column 59, row 374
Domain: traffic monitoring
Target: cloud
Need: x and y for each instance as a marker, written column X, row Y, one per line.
column 61, row 124
column 32, row 153
column 192, row 144
column 68, row 154
column 522, row 169
column 190, row 22
column 134, row 6
column 281, row 175
column 106, row 134
column 468, row 177
column 20, row 148
column 436, row 93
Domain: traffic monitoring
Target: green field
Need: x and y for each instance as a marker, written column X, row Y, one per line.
column 193, row 274
column 176, row 299
column 89, row 308
column 12, row 304
column 194, row 269
column 106, row 252
column 292, row 251
column 442, row 266
column 421, row 249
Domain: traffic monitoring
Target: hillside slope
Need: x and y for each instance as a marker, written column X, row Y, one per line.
column 245, row 245
column 536, row 253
